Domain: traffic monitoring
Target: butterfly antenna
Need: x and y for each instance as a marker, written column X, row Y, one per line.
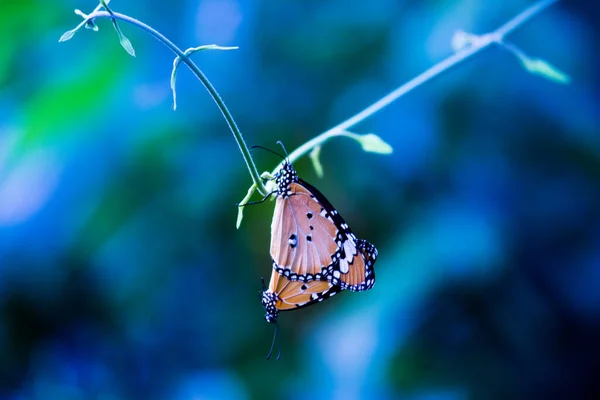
column 265, row 149
column 284, row 150
column 273, row 343
column 278, row 347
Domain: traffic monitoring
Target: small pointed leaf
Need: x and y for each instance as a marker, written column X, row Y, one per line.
column 314, row 157
column 90, row 24
column 126, row 44
column 244, row 201
column 68, row 35
column 374, row 144
column 240, row 217
column 540, row 67
column 176, row 62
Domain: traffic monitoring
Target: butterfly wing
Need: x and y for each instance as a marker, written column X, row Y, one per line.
column 354, row 259
column 360, row 273
column 284, row 295
column 310, row 241
column 303, row 235
column 295, row 294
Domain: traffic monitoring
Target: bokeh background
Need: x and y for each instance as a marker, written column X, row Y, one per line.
column 122, row 275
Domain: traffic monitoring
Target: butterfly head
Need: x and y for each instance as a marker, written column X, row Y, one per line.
column 284, row 178
column 268, row 301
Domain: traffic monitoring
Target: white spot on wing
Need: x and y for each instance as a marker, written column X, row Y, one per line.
column 350, row 252
column 344, row 267
column 350, row 249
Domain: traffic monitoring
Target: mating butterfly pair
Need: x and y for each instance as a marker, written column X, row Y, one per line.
column 315, row 254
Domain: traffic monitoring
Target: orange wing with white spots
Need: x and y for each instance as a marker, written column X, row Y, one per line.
column 303, row 238
column 284, row 295
column 310, row 241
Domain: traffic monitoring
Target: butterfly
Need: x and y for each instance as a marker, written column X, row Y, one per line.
column 314, row 253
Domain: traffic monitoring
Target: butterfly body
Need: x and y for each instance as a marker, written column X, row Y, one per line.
column 315, row 254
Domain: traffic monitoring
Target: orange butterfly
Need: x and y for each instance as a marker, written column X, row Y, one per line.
column 315, row 254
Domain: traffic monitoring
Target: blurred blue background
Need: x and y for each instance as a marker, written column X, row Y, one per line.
column 122, row 275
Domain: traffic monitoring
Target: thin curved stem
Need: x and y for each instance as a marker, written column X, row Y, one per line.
column 476, row 46
column 480, row 43
column 204, row 80
column 340, row 129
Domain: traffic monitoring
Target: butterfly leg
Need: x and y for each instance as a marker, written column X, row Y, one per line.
column 255, row 202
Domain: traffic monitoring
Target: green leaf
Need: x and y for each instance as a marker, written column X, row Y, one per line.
column 90, row 24
column 543, row 68
column 68, row 35
column 125, row 43
column 241, row 205
column 314, row 157
column 176, row 62
column 374, row 144
column 538, row 66
column 269, row 181
column 240, row 216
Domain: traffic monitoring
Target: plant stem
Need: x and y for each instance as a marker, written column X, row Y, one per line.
column 476, row 46
column 524, row 16
column 481, row 43
column 204, row 80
